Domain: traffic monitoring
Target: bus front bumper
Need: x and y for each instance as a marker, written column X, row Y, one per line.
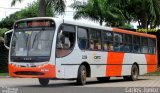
column 44, row 71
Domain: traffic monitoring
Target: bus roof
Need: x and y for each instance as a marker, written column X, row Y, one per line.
column 133, row 33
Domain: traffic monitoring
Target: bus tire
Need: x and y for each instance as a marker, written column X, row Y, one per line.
column 82, row 75
column 134, row 73
column 44, row 81
column 103, row 79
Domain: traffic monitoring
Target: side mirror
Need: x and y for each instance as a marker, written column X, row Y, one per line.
column 7, row 39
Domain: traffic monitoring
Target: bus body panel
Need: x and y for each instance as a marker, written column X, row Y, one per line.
column 102, row 63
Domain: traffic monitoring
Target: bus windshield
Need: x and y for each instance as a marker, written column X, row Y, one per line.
column 32, row 38
column 32, row 43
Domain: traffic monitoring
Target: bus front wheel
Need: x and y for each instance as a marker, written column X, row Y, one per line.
column 82, row 75
column 44, row 81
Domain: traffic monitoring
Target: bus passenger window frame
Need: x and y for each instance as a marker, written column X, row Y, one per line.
column 128, row 43
column 60, row 51
column 152, row 46
column 144, row 46
column 95, row 43
column 120, row 44
column 87, row 38
column 136, row 44
column 106, row 43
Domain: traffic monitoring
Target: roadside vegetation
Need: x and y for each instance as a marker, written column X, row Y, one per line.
column 154, row 73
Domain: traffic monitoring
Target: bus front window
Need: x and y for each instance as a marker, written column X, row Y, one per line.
column 32, row 43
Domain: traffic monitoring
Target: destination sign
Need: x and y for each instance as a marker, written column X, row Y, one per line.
column 31, row 24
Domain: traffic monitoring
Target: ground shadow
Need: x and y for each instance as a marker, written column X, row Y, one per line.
column 73, row 83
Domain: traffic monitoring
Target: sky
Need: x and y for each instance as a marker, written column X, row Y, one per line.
column 6, row 9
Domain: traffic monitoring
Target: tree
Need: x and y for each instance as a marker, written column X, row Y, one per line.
column 58, row 5
column 2, row 31
column 146, row 12
column 97, row 10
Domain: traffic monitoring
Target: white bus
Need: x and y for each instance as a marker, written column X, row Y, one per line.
column 53, row 48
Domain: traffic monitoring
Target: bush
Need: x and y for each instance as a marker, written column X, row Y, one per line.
column 2, row 31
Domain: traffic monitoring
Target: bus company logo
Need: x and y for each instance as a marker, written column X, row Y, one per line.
column 97, row 57
column 9, row 90
column 27, row 59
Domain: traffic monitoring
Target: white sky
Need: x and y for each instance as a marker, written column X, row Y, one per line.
column 7, row 4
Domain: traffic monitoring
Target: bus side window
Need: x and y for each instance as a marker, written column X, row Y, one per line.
column 127, row 40
column 118, row 46
column 144, row 45
column 95, row 39
column 136, row 44
column 107, row 41
column 151, row 46
column 82, row 38
column 65, row 40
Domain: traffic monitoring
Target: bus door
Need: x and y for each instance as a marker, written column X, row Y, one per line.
column 65, row 44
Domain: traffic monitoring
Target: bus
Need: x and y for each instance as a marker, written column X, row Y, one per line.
column 55, row 48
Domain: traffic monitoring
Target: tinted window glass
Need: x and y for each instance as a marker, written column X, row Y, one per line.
column 117, row 38
column 82, row 38
column 95, row 39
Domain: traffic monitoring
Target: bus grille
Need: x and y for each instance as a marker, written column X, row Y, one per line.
column 28, row 73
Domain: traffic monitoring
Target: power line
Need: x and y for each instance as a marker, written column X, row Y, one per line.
column 10, row 8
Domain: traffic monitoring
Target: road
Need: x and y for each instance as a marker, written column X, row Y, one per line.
column 115, row 85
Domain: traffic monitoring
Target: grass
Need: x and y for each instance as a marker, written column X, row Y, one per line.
column 153, row 73
column 4, row 74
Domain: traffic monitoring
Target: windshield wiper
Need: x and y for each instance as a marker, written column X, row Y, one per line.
column 36, row 36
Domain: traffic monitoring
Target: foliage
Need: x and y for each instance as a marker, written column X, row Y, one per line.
column 146, row 12
column 117, row 12
column 98, row 10
column 43, row 5
column 2, row 31
column 57, row 5
column 127, row 26
column 14, row 2
column 30, row 11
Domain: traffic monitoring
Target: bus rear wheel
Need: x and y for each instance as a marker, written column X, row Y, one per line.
column 134, row 74
column 82, row 75
column 103, row 79
column 44, row 81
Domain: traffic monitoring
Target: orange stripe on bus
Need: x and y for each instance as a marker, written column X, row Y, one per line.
column 133, row 33
column 151, row 62
column 48, row 70
column 114, row 64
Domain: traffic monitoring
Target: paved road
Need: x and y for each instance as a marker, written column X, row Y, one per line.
column 115, row 85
